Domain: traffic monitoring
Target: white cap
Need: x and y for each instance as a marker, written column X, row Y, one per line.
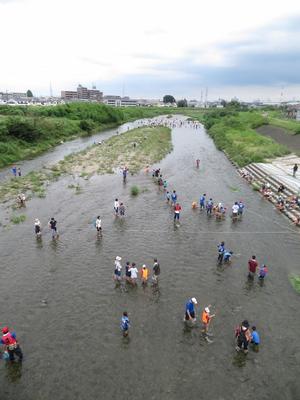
column 206, row 309
column 144, row 266
column 118, row 258
column 194, row 300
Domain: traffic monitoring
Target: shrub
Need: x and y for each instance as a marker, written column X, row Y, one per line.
column 16, row 219
column 134, row 190
column 23, row 129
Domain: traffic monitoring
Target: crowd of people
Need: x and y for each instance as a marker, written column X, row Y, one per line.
column 132, row 275
column 284, row 202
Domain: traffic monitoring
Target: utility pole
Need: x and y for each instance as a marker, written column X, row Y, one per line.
column 206, row 94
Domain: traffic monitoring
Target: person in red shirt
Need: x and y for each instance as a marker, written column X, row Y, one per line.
column 177, row 210
column 252, row 265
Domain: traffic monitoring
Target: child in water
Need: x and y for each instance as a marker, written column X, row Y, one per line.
column 125, row 324
column 262, row 273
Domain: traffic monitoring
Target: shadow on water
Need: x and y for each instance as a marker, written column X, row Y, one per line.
column 13, row 371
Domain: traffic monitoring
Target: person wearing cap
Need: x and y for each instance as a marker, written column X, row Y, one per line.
column 118, row 268
column 37, row 227
column 190, row 310
column 206, row 318
column 11, row 345
column 144, row 274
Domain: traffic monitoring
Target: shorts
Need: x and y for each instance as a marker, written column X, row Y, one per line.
column 116, row 209
column 117, row 272
column 192, row 314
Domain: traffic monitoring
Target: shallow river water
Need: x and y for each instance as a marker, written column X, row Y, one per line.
column 60, row 298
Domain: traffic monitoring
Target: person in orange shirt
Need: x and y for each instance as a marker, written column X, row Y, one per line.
column 206, row 318
column 144, row 274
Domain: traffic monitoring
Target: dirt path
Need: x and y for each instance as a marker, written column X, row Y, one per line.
column 281, row 136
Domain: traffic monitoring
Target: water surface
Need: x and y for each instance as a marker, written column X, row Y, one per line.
column 60, row 298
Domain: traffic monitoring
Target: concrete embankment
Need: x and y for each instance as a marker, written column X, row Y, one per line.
column 275, row 173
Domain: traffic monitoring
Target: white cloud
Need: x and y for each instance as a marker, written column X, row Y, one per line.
column 71, row 41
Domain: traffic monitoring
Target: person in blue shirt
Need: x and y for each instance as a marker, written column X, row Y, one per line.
column 125, row 324
column 255, row 339
column 202, row 201
column 262, row 273
column 221, row 251
column 209, row 206
column 241, row 207
column 14, row 170
column 227, row 256
column 174, row 197
column 190, row 310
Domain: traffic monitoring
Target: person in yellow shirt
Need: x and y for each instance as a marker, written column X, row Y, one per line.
column 144, row 274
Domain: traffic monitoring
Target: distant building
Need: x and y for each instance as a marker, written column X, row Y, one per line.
column 118, row 101
column 69, row 95
column 293, row 112
column 82, row 93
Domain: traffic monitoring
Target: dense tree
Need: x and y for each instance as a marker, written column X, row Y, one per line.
column 29, row 93
column 23, row 129
column 182, row 103
column 169, row 99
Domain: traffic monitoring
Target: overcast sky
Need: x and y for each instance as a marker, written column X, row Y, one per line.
column 150, row 48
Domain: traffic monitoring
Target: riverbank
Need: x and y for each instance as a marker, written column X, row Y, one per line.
column 26, row 132
column 281, row 136
column 151, row 145
column 235, row 133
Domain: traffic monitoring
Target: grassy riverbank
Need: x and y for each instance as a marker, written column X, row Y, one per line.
column 26, row 132
column 152, row 144
column 234, row 132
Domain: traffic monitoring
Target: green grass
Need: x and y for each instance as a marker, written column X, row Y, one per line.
column 289, row 125
column 17, row 219
column 295, row 282
column 234, row 132
column 134, row 190
column 152, row 145
column 53, row 125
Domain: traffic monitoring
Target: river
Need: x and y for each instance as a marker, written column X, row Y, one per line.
column 60, row 298
column 64, row 149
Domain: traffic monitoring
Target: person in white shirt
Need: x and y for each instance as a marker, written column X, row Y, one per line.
column 134, row 273
column 235, row 210
column 116, row 207
column 118, row 268
column 98, row 224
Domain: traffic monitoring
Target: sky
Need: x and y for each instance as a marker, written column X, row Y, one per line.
column 147, row 49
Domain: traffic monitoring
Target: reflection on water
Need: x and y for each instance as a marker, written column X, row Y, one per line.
column 72, row 341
